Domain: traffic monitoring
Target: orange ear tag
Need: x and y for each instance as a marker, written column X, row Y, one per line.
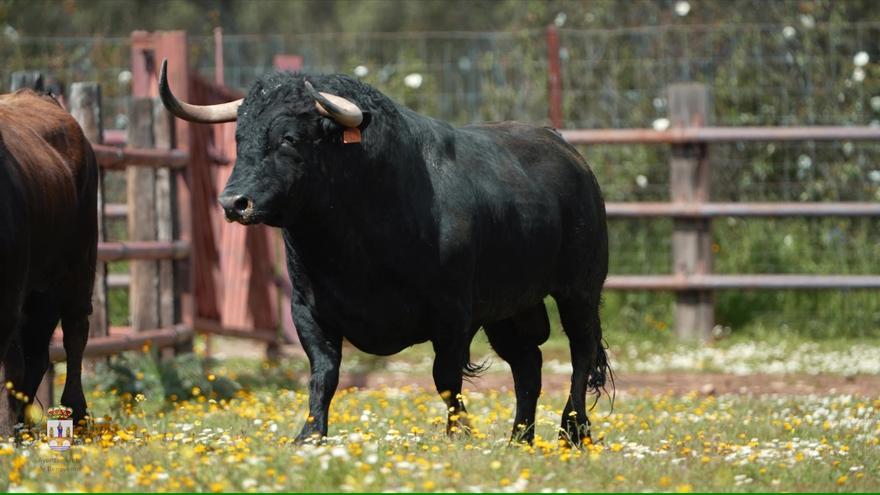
column 351, row 135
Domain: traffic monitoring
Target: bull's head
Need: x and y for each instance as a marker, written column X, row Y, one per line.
column 276, row 146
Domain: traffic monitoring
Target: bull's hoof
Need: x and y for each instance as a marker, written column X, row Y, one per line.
column 575, row 434
column 523, row 434
column 458, row 423
column 308, row 438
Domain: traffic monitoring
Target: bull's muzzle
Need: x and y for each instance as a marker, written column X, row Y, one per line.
column 237, row 208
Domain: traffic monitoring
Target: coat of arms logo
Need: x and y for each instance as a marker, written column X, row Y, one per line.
column 59, row 428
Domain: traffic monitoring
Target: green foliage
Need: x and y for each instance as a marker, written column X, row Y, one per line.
column 177, row 378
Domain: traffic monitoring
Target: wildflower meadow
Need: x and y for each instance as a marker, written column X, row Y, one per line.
column 228, row 425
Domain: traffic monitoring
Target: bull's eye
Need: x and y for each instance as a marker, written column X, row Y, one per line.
column 287, row 140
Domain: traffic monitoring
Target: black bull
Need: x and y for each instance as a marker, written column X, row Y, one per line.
column 420, row 232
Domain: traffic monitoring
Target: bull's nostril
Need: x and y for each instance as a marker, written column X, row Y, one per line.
column 241, row 204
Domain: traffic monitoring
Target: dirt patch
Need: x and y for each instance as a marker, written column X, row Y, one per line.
column 673, row 382
column 677, row 383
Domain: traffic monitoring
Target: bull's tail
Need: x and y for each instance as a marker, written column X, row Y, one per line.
column 474, row 370
column 591, row 371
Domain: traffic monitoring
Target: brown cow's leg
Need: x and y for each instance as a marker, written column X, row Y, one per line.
column 10, row 360
column 76, row 334
column 40, row 317
column 11, row 371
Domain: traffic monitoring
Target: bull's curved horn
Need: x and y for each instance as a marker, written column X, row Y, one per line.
column 205, row 114
column 337, row 108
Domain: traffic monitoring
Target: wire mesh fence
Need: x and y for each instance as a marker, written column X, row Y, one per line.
column 759, row 74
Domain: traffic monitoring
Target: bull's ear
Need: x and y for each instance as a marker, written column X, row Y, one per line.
column 331, row 127
column 368, row 117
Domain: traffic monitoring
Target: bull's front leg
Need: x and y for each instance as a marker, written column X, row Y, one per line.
column 325, row 354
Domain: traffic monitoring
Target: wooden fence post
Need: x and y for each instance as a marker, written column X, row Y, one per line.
column 691, row 237
column 554, row 77
column 163, row 129
column 173, row 45
column 26, row 79
column 142, row 222
column 84, row 103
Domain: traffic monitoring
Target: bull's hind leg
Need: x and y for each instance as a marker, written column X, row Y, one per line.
column 580, row 320
column 448, row 372
column 516, row 341
column 451, row 364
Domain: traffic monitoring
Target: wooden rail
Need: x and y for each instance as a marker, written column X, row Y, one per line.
column 125, row 339
column 143, row 250
column 682, row 135
column 114, row 158
column 747, row 282
column 216, row 328
column 704, row 210
column 709, row 210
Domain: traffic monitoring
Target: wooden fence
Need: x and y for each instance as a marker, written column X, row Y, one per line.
column 188, row 271
column 158, row 252
column 692, row 279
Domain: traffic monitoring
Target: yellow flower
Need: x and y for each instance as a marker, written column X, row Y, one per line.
column 428, row 485
column 842, row 480
column 664, row 481
column 685, row 488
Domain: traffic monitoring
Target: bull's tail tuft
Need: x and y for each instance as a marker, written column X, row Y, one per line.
column 600, row 374
column 475, row 370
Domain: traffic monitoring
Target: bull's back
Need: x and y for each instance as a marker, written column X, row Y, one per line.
column 540, row 223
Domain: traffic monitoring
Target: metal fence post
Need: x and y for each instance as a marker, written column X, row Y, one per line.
column 689, row 183
column 554, row 77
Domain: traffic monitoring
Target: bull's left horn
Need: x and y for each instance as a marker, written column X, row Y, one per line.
column 337, row 108
column 204, row 114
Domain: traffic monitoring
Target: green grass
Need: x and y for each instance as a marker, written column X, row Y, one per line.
column 395, row 440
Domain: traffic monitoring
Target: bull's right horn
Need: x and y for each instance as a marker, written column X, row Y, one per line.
column 204, row 114
column 337, row 108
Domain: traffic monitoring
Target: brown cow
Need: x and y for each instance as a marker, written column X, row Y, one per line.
column 48, row 240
